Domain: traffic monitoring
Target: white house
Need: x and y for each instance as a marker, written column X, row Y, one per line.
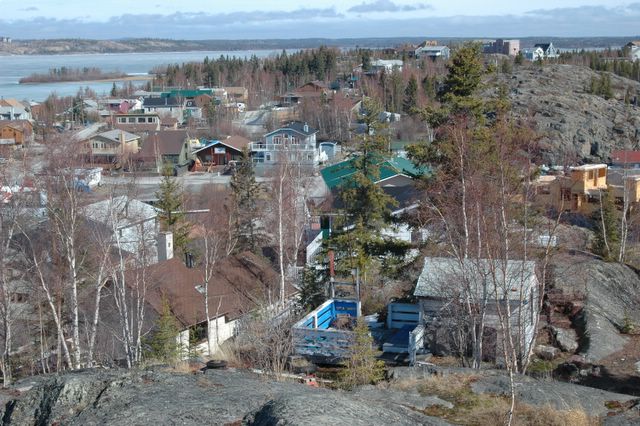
column 387, row 65
column 634, row 50
column 550, row 52
column 533, row 53
column 296, row 140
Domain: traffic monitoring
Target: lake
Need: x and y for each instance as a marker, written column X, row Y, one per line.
column 12, row 68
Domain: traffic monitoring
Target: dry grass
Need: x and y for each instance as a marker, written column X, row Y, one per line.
column 471, row 409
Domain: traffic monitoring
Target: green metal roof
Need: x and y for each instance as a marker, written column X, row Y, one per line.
column 337, row 174
column 185, row 93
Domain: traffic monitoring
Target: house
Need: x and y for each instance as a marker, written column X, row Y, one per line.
column 625, row 159
column 445, row 282
column 136, row 122
column 624, row 184
column 311, row 90
column 433, row 52
column 203, row 100
column 633, row 50
column 239, row 285
column 110, row 147
column 396, row 179
column 166, row 147
column 297, row 140
column 217, row 153
column 11, row 109
column 19, row 131
column 579, row 192
column 192, row 110
column 387, row 65
column 164, row 106
column 550, row 52
column 237, row 94
column 131, row 224
column 533, row 54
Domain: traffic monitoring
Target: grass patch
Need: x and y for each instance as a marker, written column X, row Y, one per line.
column 471, row 409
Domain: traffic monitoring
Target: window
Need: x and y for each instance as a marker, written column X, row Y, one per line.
column 132, row 119
column 267, row 156
column 149, row 119
column 140, row 119
column 122, row 119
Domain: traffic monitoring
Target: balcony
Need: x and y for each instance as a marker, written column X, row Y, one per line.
column 274, row 147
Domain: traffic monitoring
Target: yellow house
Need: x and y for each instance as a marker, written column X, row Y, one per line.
column 108, row 148
column 579, row 192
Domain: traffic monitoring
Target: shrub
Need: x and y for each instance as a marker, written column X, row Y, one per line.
column 362, row 367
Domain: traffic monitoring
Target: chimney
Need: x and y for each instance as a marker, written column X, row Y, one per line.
column 188, row 260
column 165, row 246
column 306, row 128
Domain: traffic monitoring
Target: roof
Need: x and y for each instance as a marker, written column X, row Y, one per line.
column 589, row 167
column 156, row 102
column 236, row 142
column 337, row 174
column 543, row 46
column 10, row 102
column 163, row 142
column 443, row 276
column 296, row 126
column 238, row 284
column 625, row 157
column 128, row 211
column 186, row 93
column 24, row 125
column 116, row 135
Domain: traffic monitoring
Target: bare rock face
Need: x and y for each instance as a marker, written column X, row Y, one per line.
column 94, row 397
column 546, row 352
column 612, row 294
column 575, row 124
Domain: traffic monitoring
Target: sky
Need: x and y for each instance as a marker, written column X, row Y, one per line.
column 255, row 19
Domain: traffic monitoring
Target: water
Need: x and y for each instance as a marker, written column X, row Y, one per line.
column 12, row 68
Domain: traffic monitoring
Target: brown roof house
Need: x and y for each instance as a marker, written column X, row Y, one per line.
column 20, row 131
column 112, row 147
column 221, row 152
column 166, row 147
column 240, row 284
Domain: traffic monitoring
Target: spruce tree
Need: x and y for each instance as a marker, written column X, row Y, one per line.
column 362, row 367
column 463, row 80
column 246, row 194
column 172, row 218
column 163, row 343
column 410, row 101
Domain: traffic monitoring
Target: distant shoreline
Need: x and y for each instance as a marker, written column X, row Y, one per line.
column 99, row 80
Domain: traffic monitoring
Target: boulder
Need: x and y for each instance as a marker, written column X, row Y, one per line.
column 546, row 352
column 566, row 339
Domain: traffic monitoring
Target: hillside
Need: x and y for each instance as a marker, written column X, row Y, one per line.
column 576, row 125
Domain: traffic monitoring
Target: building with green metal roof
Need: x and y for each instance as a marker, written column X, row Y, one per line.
column 338, row 174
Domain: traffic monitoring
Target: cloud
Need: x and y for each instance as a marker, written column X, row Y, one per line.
column 29, row 9
column 387, row 6
column 328, row 23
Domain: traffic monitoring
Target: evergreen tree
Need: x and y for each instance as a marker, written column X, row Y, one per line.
column 172, row 218
column 461, row 85
column 519, row 59
column 607, row 236
column 114, row 90
column 163, row 343
column 362, row 367
column 246, row 195
column 312, row 288
column 410, row 101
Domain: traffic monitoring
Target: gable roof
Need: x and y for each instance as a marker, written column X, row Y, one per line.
column 235, row 142
column 543, row 46
column 115, row 136
column 296, row 126
column 239, row 283
column 163, row 142
column 337, row 174
column 127, row 211
column 443, row 276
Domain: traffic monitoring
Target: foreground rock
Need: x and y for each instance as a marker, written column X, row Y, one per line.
column 218, row 397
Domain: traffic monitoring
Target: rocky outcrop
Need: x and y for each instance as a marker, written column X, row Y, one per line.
column 575, row 125
column 612, row 296
column 218, row 397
